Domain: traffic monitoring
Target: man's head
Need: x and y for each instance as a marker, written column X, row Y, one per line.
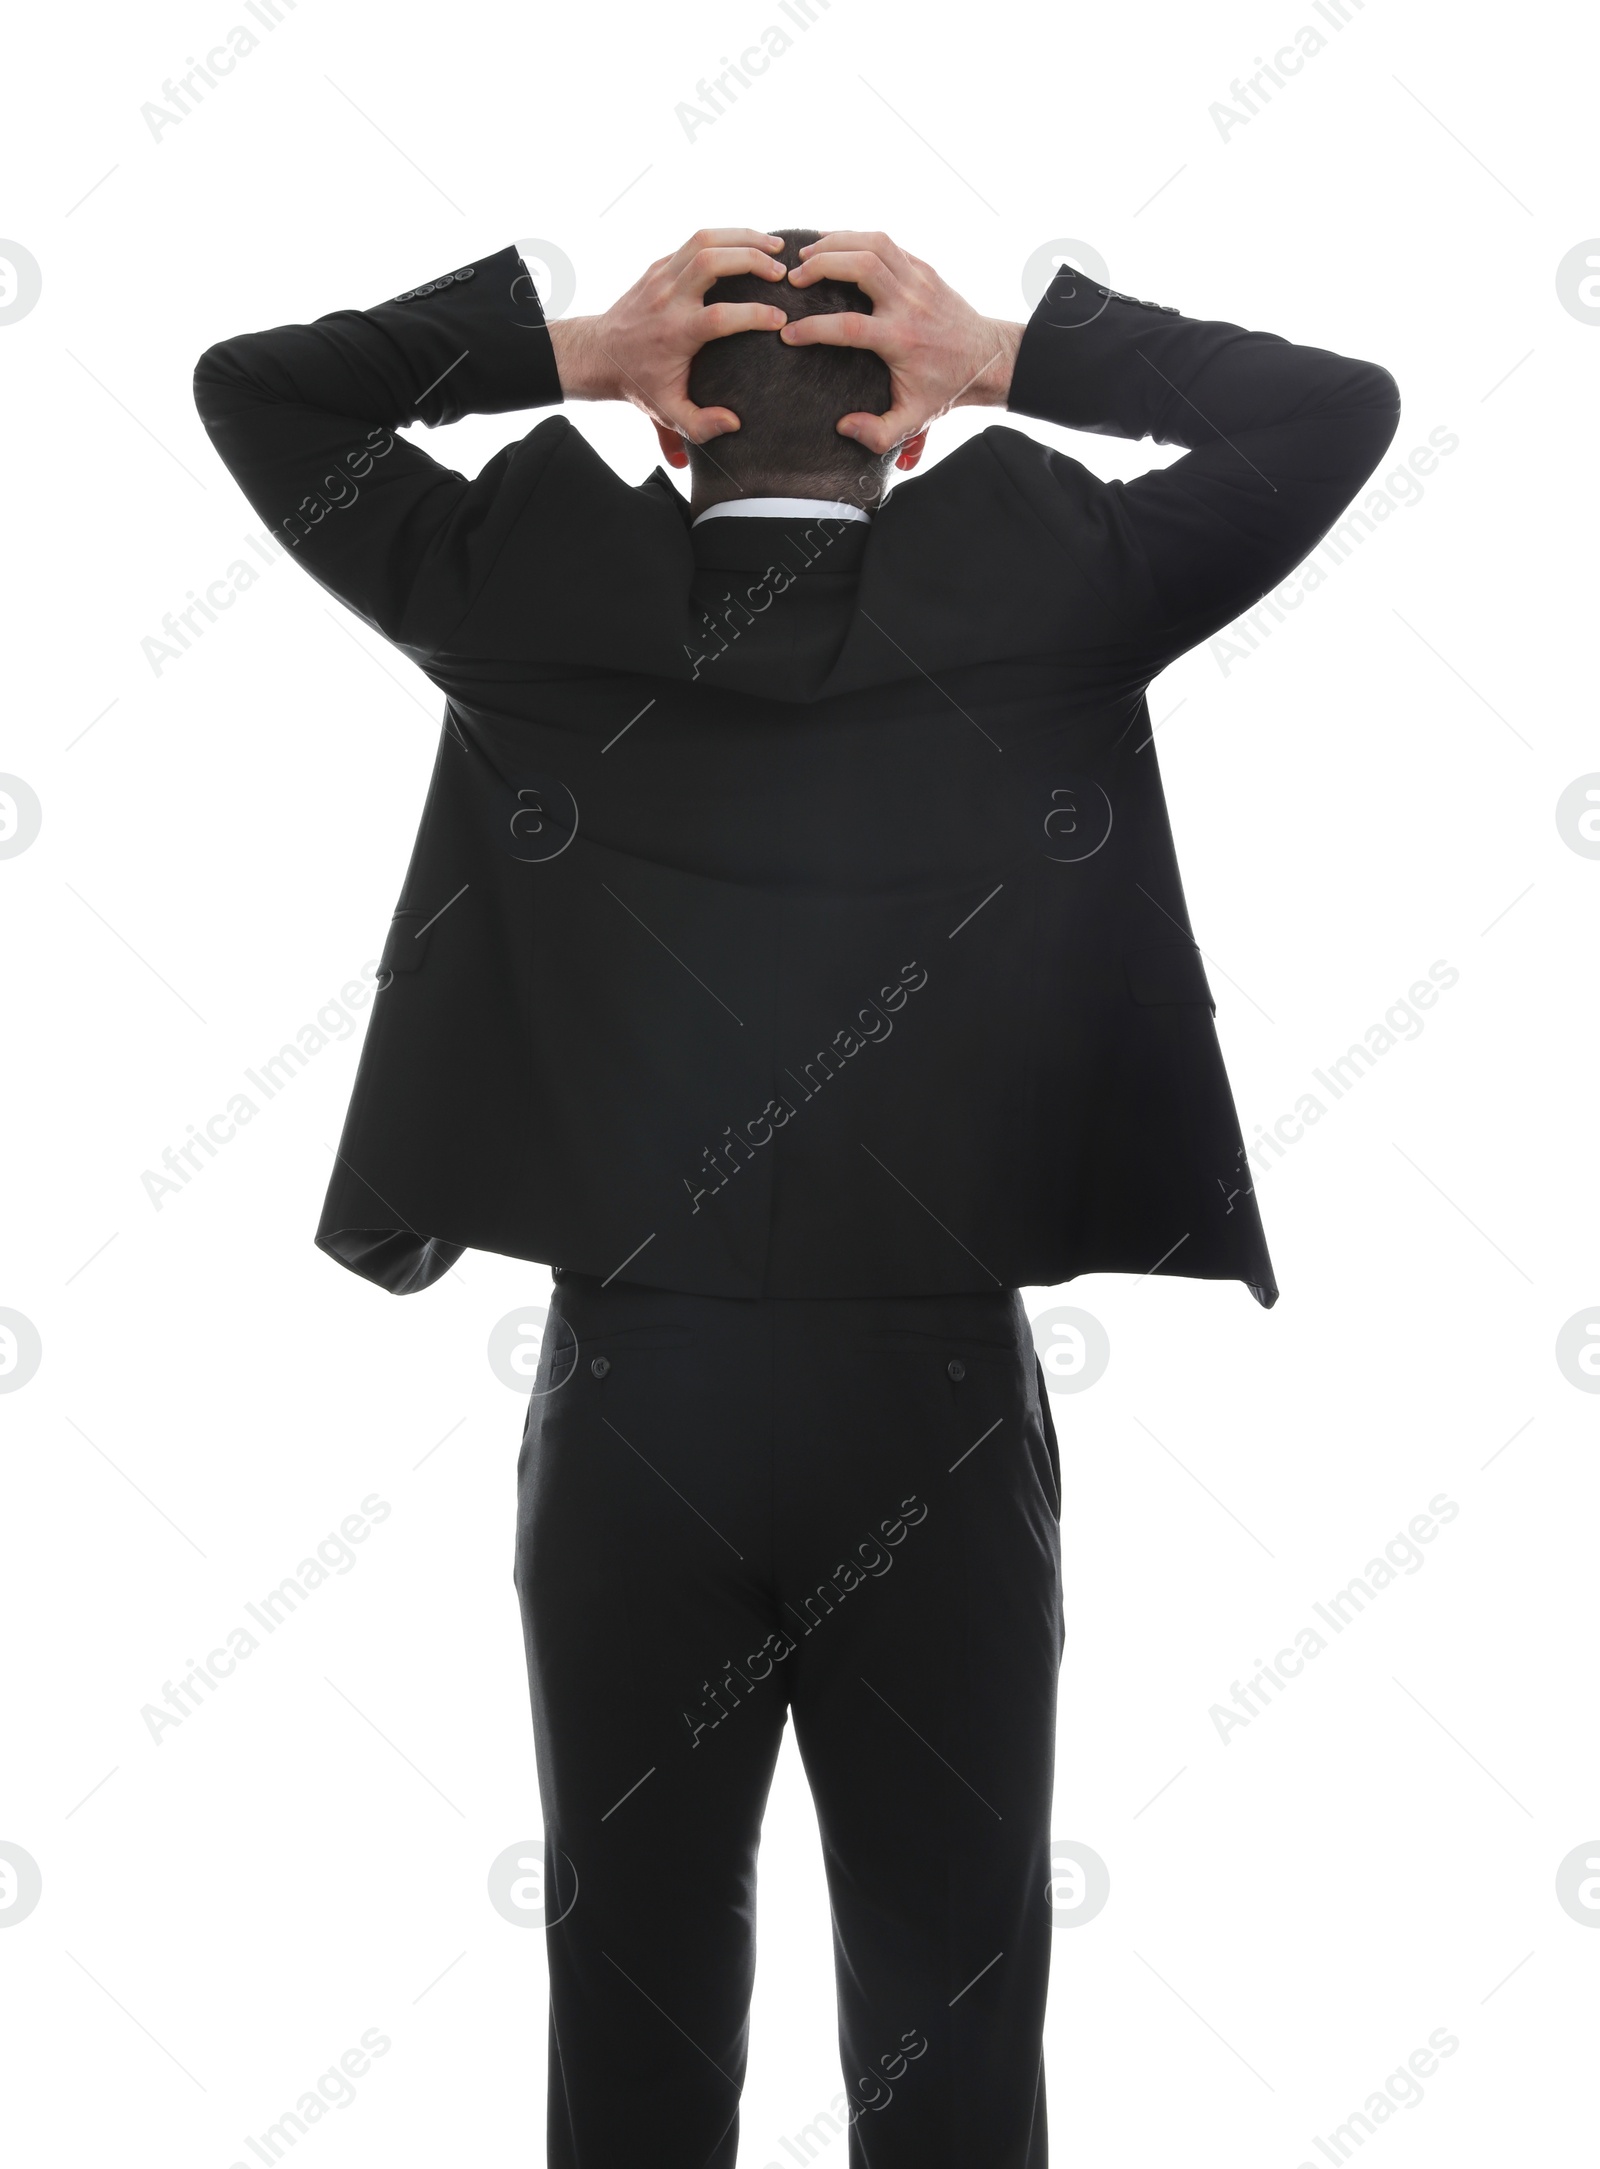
column 789, row 399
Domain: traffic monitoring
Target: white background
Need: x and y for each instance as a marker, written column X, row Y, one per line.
column 1291, row 1913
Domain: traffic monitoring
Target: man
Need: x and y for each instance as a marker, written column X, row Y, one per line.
column 793, row 955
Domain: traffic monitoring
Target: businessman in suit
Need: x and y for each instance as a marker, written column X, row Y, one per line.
column 793, row 957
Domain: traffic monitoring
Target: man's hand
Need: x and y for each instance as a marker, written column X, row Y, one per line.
column 640, row 350
column 941, row 352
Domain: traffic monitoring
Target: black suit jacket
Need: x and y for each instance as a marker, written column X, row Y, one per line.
column 794, row 909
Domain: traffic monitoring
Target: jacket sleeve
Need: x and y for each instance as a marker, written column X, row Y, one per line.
column 305, row 417
column 1279, row 438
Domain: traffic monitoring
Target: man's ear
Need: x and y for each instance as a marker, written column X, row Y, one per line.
column 674, row 445
column 911, row 451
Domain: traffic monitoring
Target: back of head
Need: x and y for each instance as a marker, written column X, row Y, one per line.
column 788, row 398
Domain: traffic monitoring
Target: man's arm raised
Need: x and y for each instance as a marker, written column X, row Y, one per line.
column 1278, row 437
column 305, row 417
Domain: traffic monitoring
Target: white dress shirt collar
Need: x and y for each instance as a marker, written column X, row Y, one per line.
column 780, row 508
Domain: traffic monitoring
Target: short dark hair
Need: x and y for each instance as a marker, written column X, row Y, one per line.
column 788, row 398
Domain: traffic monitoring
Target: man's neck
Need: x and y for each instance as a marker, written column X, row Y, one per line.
column 810, row 493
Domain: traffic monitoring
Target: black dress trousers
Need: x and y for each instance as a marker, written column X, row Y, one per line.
column 848, row 1508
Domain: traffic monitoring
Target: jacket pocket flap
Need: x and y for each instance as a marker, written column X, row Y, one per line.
column 1167, row 971
column 406, row 946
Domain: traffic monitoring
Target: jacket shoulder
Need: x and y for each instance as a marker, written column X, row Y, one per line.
column 1034, row 517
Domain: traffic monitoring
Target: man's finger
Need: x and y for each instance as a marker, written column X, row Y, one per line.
column 699, row 424
column 722, row 237
column 723, row 317
column 859, row 266
column 706, row 266
column 881, row 432
column 878, row 244
column 842, row 327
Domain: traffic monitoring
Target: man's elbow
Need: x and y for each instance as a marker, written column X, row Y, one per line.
column 1379, row 389
column 219, row 379
column 209, row 378
column 1371, row 401
column 1369, row 388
